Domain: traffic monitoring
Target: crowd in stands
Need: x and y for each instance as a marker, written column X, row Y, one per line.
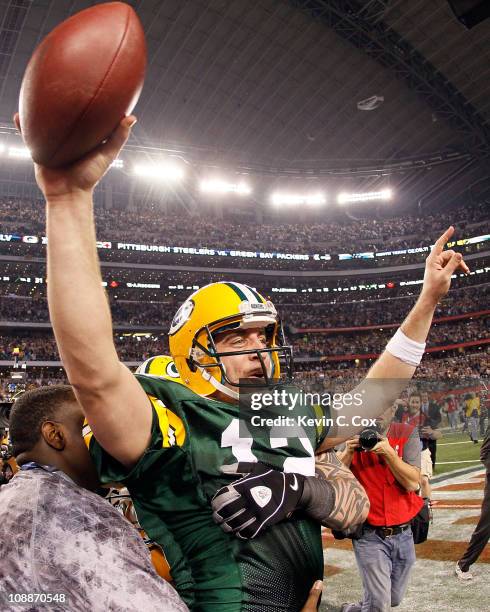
column 129, row 313
column 148, row 226
column 438, row 367
column 35, row 346
column 375, row 312
column 34, row 310
column 374, row 341
column 339, row 313
column 31, row 348
column 145, row 285
column 36, row 377
column 209, row 232
column 139, row 307
column 434, row 367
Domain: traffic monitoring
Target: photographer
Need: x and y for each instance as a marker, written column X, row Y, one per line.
column 387, row 464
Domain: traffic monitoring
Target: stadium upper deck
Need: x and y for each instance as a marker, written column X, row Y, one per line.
column 149, row 237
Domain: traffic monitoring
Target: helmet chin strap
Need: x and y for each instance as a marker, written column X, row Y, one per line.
column 217, row 385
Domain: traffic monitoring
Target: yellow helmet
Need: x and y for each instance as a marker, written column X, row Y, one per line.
column 160, row 365
column 216, row 308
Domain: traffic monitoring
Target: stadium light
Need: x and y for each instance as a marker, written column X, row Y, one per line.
column 19, row 152
column 160, row 172
column 369, row 196
column 24, row 153
column 290, row 199
column 218, row 186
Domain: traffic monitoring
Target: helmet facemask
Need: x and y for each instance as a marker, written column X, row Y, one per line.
column 205, row 356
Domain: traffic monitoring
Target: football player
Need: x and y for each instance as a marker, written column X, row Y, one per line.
column 194, row 438
column 168, row 442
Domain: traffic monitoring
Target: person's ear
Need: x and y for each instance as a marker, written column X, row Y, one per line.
column 53, row 435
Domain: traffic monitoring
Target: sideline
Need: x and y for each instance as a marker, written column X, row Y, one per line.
column 462, row 442
column 461, row 472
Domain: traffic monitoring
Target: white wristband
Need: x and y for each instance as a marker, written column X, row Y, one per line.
column 406, row 349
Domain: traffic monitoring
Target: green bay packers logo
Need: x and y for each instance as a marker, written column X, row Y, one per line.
column 171, row 370
column 181, row 316
column 162, row 366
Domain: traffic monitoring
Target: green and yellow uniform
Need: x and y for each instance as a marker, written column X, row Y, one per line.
column 172, row 485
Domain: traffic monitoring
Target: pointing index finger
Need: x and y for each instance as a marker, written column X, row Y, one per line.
column 441, row 241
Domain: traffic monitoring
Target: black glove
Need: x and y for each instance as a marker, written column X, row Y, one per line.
column 260, row 499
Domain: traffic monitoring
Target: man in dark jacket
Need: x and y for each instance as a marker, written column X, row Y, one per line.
column 481, row 535
column 432, row 413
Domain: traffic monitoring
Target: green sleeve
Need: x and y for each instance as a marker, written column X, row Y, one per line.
column 110, row 470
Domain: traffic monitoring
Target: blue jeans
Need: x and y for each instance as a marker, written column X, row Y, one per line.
column 452, row 417
column 385, row 567
column 473, row 427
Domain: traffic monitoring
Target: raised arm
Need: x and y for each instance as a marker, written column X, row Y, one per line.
column 397, row 364
column 113, row 401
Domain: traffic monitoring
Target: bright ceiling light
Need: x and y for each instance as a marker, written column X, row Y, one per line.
column 160, row 172
column 290, row 199
column 315, row 199
column 117, row 163
column 19, row 152
column 369, row 196
column 218, row 186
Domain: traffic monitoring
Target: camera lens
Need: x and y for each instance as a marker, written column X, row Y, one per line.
column 368, row 438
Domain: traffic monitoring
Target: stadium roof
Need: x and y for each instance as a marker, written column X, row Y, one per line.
column 273, row 86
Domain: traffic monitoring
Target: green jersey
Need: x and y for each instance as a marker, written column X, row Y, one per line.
column 172, row 485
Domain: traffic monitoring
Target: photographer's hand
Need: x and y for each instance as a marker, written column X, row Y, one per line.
column 408, row 476
column 384, row 449
column 347, row 453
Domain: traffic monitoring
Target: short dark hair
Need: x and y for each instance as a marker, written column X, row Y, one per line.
column 415, row 394
column 31, row 410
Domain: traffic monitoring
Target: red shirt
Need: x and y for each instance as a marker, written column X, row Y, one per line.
column 450, row 405
column 391, row 504
column 416, row 420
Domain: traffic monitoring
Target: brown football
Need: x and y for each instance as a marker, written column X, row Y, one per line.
column 82, row 79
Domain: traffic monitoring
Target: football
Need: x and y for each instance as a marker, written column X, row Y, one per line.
column 82, row 79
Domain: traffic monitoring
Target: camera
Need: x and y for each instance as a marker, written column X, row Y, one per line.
column 368, row 438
